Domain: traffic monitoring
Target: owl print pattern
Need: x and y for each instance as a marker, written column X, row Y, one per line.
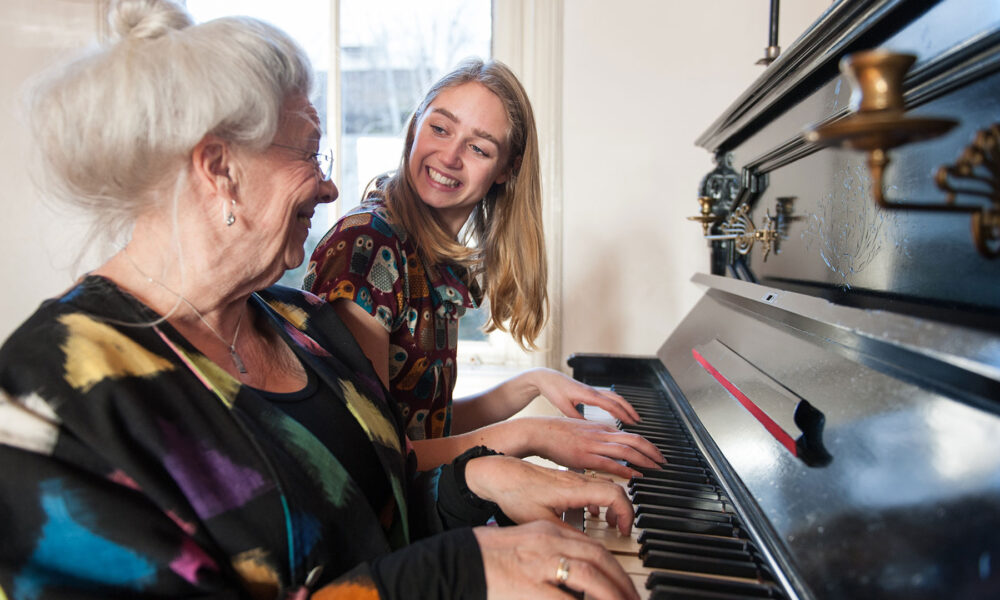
column 369, row 259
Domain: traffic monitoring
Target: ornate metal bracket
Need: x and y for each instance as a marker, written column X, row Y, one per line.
column 983, row 154
column 877, row 124
column 740, row 229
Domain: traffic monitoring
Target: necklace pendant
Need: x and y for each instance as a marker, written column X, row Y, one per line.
column 242, row 368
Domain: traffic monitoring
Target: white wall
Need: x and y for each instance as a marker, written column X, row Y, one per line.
column 37, row 244
column 642, row 80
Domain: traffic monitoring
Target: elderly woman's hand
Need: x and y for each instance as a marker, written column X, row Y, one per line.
column 526, row 492
column 531, row 561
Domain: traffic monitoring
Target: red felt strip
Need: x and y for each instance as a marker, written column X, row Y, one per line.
column 773, row 428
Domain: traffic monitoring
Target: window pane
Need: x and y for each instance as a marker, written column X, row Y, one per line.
column 391, row 51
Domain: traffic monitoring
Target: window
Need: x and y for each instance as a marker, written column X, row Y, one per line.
column 389, row 52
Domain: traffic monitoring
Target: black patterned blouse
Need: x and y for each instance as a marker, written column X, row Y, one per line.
column 134, row 466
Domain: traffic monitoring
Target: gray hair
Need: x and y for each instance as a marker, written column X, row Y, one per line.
column 117, row 125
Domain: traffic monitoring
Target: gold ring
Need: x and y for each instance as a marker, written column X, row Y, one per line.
column 562, row 573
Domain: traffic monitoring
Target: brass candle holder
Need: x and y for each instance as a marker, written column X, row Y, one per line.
column 740, row 229
column 878, row 123
column 707, row 218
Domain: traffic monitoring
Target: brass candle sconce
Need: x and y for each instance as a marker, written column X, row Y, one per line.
column 739, row 228
column 877, row 124
column 707, row 218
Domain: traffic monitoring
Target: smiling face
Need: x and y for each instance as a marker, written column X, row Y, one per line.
column 459, row 151
column 283, row 188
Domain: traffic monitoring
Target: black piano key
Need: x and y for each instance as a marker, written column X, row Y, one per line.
column 672, row 468
column 672, row 523
column 672, row 436
column 681, row 488
column 678, row 488
column 677, row 561
column 686, row 513
column 678, row 473
column 656, row 429
column 649, row 535
column 739, row 588
column 696, row 550
column 682, row 451
column 669, row 442
column 651, row 407
column 655, row 421
column 682, row 460
column 669, row 468
column 674, row 428
column 670, row 592
column 660, row 499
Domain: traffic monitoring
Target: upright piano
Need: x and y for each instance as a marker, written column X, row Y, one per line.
column 830, row 408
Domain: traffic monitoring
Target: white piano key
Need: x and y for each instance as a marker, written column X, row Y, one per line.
column 599, row 415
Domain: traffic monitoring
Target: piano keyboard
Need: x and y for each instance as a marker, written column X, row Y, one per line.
column 687, row 541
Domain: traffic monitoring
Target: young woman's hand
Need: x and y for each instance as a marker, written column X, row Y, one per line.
column 583, row 444
column 532, row 561
column 565, row 393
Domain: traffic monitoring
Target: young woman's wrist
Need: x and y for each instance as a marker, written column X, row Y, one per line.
column 532, row 384
column 513, row 437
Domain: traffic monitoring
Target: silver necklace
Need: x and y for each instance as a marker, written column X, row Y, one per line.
column 240, row 365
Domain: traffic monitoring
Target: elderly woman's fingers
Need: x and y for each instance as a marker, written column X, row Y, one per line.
column 589, row 577
column 527, row 492
column 540, row 559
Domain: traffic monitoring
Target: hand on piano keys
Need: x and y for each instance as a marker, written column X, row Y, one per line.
column 535, row 560
column 687, row 541
column 566, row 393
column 527, row 492
column 528, row 560
column 584, row 444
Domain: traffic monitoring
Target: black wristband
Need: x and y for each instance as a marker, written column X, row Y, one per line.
column 458, row 466
column 457, row 505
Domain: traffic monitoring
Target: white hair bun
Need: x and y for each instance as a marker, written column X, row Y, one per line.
column 147, row 19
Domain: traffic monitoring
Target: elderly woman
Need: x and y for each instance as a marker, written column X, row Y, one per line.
column 171, row 426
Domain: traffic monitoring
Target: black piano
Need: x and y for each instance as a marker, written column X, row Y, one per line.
column 830, row 409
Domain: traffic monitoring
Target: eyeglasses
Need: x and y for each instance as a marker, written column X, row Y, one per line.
column 323, row 160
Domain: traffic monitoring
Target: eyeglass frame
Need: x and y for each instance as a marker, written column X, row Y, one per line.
column 318, row 159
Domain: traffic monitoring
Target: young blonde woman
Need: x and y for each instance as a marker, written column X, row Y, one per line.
column 458, row 223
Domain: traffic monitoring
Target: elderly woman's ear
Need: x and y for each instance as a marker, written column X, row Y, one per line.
column 212, row 166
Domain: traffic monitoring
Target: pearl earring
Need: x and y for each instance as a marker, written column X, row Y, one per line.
column 229, row 217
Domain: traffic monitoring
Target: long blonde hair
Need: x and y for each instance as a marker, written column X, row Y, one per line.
column 504, row 249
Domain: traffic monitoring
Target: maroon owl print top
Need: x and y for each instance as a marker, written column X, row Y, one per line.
column 368, row 258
